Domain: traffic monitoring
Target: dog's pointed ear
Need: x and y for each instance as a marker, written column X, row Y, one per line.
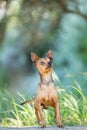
column 50, row 54
column 34, row 57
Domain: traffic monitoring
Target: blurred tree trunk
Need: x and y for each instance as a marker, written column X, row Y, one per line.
column 3, row 24
column 3, row 18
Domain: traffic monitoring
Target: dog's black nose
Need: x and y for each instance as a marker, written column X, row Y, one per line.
column 50, row 63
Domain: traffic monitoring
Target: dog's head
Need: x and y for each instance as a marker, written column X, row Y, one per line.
column 44, row 65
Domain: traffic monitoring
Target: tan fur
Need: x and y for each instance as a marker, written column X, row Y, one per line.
column 46, row 94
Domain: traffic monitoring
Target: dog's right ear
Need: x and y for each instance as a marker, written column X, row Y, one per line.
column 50, row 55
column 34, row 57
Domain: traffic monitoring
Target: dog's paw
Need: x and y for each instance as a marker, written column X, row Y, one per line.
column 60, row 126
column 42, row 126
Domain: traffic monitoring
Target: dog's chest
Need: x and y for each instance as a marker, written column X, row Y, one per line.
column 48, row 94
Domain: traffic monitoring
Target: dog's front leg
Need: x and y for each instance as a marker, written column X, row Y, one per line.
column 39, row 115
column 43, row 124
column 57, row 114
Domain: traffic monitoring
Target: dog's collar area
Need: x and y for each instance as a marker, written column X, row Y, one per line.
column 45, row 81
column 47, row 84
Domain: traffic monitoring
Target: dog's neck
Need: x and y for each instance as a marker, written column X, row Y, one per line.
column 46, row 79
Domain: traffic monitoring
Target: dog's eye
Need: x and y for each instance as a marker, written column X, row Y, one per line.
column 42, row 63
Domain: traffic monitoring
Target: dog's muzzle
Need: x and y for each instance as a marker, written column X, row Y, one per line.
column 50, row 64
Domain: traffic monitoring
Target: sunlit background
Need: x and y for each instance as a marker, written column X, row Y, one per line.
column 38, row 26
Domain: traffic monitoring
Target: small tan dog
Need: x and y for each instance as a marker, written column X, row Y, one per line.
column 46, row 94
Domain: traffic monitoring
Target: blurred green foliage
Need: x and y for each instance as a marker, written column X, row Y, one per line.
column 42, row 25
column 37, row 26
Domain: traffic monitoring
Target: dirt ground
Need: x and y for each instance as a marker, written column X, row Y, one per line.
column 46, row 128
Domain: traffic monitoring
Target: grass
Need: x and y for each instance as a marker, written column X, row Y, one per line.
column 73, row 105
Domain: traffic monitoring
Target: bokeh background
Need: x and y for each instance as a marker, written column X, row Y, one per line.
column 36, row 26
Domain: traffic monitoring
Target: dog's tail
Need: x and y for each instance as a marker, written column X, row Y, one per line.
column 28, row 101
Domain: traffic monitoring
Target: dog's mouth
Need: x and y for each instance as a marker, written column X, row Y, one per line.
column 48, row 67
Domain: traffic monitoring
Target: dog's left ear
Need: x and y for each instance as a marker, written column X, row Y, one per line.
column 50, row 55
column 34, row 57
